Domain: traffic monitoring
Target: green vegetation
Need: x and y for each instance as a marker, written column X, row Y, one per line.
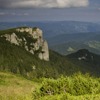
column 15, row 87
column 12, row 58
column 75, row 87
column 22, row 73
column 16, row 59
column 89, row 62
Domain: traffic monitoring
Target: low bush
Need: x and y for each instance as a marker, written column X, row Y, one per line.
column 75, row 85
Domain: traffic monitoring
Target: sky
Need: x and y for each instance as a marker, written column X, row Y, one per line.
column 50, row 10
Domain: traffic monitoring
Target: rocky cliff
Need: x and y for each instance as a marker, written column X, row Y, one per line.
column 31, row 39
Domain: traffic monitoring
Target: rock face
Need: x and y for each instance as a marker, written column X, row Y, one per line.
column 44, row 53
column 32, row 41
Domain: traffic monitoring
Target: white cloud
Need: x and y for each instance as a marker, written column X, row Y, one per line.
column 47, row 3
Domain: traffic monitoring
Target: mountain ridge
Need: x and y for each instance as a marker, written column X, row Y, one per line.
column 29, row 38
column 62, row 32
column 17, row 59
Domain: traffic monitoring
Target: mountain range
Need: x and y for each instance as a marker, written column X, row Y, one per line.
column 67, row 36
column 14, row 57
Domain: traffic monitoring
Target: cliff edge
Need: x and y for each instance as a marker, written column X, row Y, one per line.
column 29, row 38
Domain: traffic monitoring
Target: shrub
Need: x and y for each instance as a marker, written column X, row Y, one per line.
column 75, row 85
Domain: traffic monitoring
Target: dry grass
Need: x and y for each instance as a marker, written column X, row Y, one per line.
column 14, row 87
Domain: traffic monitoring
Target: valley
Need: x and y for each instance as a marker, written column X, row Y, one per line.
column 65, row 34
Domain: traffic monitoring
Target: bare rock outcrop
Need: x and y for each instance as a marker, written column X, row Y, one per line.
column 44, row 54
column 37, row 42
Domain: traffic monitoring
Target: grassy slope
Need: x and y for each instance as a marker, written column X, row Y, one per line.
column 15, row 87
column 69, row 97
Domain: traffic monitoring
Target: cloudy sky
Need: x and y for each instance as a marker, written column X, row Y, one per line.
column 50, row 10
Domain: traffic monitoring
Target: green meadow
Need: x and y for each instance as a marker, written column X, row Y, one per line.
column 75, row 87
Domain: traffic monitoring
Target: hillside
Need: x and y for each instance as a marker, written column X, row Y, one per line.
column 15, row 87
column 88, row 60
column 75, row 87
column 62, row 43
column 17, row 59
column 24, row 75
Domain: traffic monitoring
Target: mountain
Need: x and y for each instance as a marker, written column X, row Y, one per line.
column 65, row 34
column 85, row 58
column 28, row 38
column 53, row 28
column 27, row 53
column 63, row 43
column 19, row 55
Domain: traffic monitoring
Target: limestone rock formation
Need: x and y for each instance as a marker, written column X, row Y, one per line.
column 32, row 43
column 44, row 54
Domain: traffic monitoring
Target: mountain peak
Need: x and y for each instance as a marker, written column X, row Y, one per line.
column 29, row 38
column 83, row 51
column 82, row 54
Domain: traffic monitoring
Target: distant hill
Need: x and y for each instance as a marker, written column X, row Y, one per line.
column 65, row 34
column 62, row 43
column 53, row 28
column 85, row 58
